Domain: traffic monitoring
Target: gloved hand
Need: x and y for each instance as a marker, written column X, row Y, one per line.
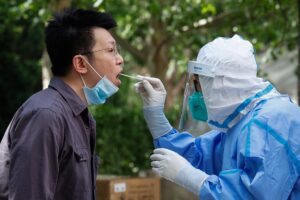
column 152, row 91
column 175, row 168
column 154, row 94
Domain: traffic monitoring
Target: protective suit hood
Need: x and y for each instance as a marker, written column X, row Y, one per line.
column 232, row 88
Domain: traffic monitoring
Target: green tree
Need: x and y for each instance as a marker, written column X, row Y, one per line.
column 162, row 36
column 22, row 47
column 21, row 36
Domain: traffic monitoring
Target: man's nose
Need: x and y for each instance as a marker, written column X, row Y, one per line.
column 120, row 59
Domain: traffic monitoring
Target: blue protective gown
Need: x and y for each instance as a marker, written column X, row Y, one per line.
column 258, row 158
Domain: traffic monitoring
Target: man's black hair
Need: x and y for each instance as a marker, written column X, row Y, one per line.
column 70, row 33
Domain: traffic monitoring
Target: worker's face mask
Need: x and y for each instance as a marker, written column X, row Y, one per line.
column 101, row 91
column 197, row 106
column 194, row 111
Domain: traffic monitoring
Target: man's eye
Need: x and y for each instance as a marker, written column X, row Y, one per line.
column 111, row 50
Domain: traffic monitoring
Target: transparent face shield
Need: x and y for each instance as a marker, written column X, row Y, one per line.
column 194, row 114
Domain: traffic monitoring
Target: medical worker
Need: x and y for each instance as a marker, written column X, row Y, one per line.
column 253, row 150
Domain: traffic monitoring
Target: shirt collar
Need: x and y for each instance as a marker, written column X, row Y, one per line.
column 68, row 94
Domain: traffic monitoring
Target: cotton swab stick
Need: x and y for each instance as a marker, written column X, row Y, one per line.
column 132, row 77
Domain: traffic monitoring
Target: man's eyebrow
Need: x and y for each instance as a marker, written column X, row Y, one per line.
column 112, row 42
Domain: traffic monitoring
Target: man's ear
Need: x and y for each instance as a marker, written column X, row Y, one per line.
column 79, row 64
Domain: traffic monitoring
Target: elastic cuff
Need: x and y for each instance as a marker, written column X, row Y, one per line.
column 157, row 122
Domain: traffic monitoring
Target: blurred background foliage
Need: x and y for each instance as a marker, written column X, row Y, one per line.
column 157, row 37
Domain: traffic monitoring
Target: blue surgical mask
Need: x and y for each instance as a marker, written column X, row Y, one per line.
column 197, row 106
column 101, row 91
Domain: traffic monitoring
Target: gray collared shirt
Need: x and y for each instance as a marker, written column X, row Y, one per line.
column 51, row 142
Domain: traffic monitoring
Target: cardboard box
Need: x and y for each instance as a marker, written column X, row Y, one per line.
column 128, row 189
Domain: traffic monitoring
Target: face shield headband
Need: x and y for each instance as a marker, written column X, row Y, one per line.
column 195, row 67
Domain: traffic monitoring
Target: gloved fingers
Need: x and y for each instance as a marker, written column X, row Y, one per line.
column 157, row 171
column 156, row 164
column 140, row 76
column 157, row 157
column 155, row 82
column 147, row 86
column 139, row 88
column 162, row 151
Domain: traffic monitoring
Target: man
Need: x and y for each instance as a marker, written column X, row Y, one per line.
column 52, row 135
column 252, row 151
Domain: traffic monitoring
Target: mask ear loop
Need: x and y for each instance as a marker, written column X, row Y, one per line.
column 82, row 80
column 92, row 67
